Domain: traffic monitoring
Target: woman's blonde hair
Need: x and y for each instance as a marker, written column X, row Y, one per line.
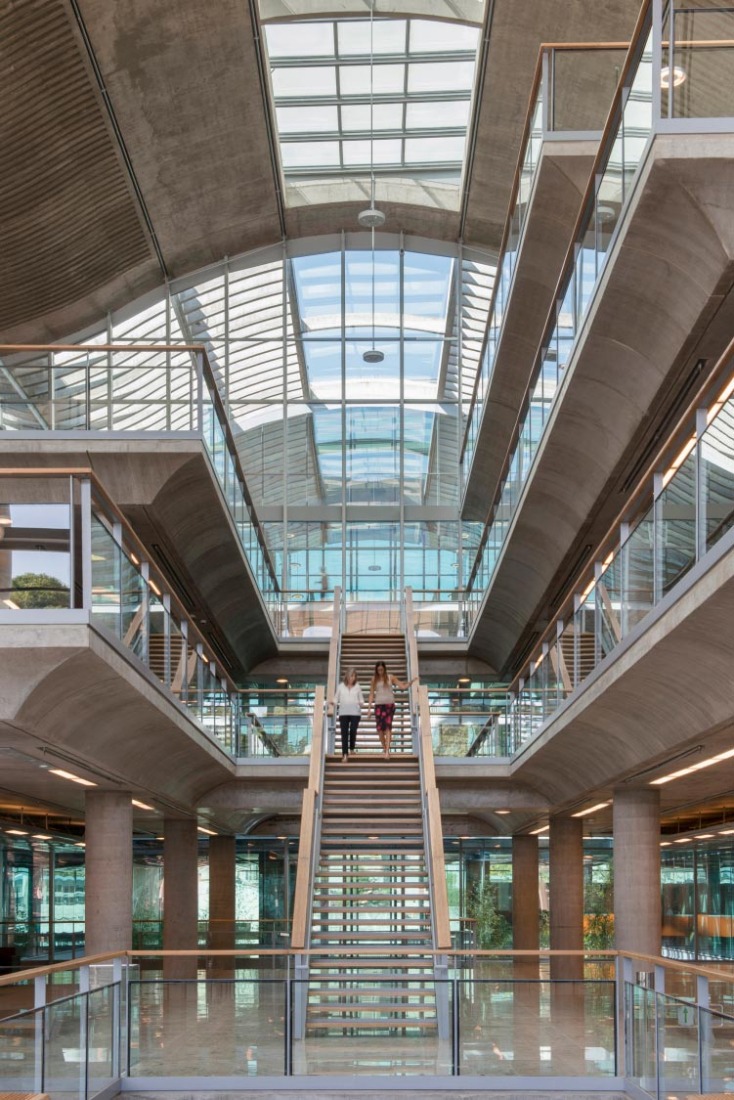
column 348, row 673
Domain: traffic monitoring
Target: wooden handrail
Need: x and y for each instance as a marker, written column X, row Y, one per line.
column 633, row 508
column 545, row 47
column 309, row 832
column 439, row 892
column 412, row 644
column 353, row 951
column 333, row 651
column 605, row 144
column 208, row 379
column 303, row 870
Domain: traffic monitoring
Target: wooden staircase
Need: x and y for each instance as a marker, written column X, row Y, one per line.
column 371, row 887
column 371, row 892
column 363, row 651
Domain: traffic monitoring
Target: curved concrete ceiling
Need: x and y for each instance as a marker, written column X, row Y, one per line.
column 98, row 206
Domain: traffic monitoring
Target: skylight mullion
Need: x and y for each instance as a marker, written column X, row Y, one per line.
column 337, row 74
column 405, row 93
column 461, row 96
column 408, row 45
column 340, row 120
column 364, row 135
column 324, row 60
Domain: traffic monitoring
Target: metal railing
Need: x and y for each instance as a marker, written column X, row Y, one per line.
column 91, row 567
column 545, row 122
column 685, row 512
column 643, row 1022
column 119, row 389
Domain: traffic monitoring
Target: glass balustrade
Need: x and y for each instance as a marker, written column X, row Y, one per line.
column 692, row 511
column 76, row 553
column 557, row 111
column 661, row 1027
column 615, row 174
column 140, row 390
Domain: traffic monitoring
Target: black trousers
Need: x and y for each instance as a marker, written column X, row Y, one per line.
column 348, row 725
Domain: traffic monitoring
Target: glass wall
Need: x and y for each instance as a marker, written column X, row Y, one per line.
column 698, row 897
column 342, row 366
column 479, row 879
column 42, row 894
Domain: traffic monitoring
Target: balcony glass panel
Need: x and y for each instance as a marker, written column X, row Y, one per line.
column 717, row 475
column 676, row 516
column 701, row 61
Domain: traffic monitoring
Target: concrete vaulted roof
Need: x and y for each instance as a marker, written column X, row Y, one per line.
column 99, row 205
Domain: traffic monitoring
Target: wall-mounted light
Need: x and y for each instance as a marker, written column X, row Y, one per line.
column 142, row 805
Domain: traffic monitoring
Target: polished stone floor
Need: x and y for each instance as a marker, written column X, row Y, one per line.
column 233, row 1028
column 412, row 1094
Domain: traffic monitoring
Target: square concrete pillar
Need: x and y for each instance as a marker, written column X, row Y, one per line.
column 108, row 836
column 637, row 905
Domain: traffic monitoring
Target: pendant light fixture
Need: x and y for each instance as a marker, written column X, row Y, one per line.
column 372, row 218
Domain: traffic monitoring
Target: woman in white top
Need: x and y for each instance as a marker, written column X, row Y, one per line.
column 382, row 699
column 348, row 703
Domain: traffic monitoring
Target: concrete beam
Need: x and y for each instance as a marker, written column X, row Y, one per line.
column 65, row 690
column 561, row 177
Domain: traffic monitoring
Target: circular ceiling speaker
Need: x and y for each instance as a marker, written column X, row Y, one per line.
column 371, row 218
column 373, row 356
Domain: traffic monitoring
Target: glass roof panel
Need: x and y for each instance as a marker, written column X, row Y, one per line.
column 431, row 36
column 440, row 76
column 433, row 150
column 421, row 78
column 298, row 153
column 388, row 37
column 382, row 152
column 308, row 120
column 429, row 116
column 385, row 116
column 299, row 40
column 292, row 83
column 361, row 79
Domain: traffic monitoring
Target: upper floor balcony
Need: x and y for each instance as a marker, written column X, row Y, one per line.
column 569, row 102
column 642, row 310
column 150, row 421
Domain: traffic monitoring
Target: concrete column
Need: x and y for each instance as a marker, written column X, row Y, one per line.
column 108, row 835
column 180, row 894
column 222, row 897
column 525, row 903
column 566, row 854
column 637, row 907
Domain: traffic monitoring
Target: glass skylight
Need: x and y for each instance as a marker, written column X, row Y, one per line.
column 315, row 426
column 406, row 115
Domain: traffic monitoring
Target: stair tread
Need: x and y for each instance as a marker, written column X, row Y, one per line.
column 385, row 1022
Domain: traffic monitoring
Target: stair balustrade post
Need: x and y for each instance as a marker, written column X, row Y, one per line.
column 299, row 998
column 441, row 981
